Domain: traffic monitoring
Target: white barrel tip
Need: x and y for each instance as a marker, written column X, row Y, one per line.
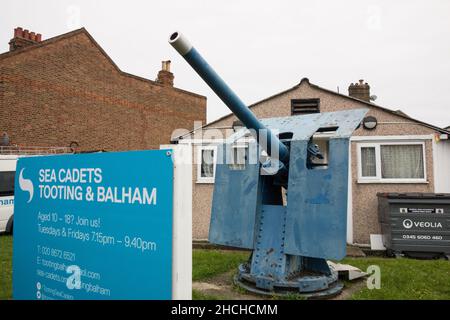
column 180, row 43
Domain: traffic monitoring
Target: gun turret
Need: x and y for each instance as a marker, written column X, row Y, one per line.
column 291, row 237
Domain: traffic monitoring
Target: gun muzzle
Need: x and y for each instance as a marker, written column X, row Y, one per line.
column 231, row 100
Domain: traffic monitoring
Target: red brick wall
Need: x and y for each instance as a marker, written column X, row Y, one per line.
column 67, row 90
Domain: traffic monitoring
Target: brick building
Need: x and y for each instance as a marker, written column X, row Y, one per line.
column 66, row 91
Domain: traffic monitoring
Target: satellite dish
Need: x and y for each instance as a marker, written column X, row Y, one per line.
column 373, row 97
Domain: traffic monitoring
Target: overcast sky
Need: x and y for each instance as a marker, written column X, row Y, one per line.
column 401, row 48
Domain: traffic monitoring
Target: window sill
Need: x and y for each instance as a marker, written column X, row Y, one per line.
column 205, row 181
column 399, row 181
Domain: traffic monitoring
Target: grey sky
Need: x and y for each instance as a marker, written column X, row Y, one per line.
column 401, row 48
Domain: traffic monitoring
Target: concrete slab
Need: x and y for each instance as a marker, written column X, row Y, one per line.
column 347, row 271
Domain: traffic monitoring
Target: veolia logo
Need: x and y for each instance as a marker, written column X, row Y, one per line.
column 26, row 185
column 408, row 224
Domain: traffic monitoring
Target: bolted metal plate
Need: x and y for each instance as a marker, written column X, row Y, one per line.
column 235, row 203
column 268, row 259
column 318, row 287
column 316, row 221
column 304, row 126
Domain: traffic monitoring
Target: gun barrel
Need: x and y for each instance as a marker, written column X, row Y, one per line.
column 231, row 100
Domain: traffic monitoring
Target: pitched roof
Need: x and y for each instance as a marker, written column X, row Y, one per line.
column 306, row 80
column 73, row 33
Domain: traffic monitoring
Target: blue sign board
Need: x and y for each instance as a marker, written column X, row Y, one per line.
column 94, row 226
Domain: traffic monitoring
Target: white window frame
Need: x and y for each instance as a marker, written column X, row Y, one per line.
column 378, row 178
column 201, row 179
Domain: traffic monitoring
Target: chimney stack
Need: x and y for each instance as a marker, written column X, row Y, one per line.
column 23, row 38
column 360, row 90
column 165, row 77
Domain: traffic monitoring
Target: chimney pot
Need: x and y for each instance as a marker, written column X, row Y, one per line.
column 32, row 36
column 38, row 37
column 26, row 34
column 359, row 90
column 18, row 32
column 166, row 65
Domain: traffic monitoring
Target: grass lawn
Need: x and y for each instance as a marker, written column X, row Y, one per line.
column 406, row 279
column 5, row 267
column 401, row 278
column 209, row 263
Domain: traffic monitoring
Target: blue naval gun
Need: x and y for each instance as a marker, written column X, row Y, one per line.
column 285, row 203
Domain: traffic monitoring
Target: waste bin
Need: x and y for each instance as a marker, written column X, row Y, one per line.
column 415, row 224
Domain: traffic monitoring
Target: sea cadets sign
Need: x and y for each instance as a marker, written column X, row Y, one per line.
column 94, row 226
